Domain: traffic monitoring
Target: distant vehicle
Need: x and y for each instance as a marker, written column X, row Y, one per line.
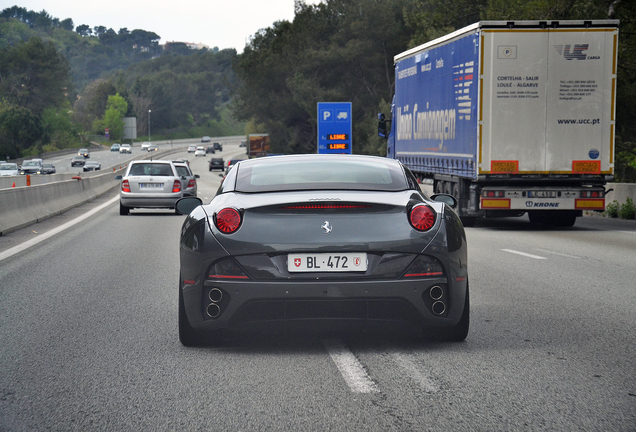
column 206, row 139
column 125, row 148
column 230, row 163
column 242, row 144
column 218, row 146
column 210, row 149
column 48, row 168
column 200, row 151
column 115, row 147
column 78, row 161
column 84, row 152
column 145, row 145
column 9, row 169
column 189, row 179
column 153, row 148
column 92, row 166
column 217, row 163
column 31, row 167
column 192, row 148
column 149, row 184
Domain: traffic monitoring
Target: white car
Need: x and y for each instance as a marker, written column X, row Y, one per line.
column 200, row 151
column 125, row 148
column 9, row 169
column 144, row 146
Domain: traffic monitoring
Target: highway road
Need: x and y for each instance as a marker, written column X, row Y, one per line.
column 89, row 338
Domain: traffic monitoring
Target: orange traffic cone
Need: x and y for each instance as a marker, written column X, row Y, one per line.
column 13, row 185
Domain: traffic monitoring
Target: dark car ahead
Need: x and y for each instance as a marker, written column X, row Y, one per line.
column 78, row 161
column 321, row 240
column 218, row 146
column 48, row 168
column 92, row 166
column 231, row 163
column 84, row 152
column 216, row 163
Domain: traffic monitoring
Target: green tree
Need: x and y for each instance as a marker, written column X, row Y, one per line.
column 113, row 119
column 34, row 75
column 19, row 129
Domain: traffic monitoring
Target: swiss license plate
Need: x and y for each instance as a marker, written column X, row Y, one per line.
column 151, row 185
column 327, row 262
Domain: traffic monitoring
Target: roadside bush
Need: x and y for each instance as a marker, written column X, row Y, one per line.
column 627, row 210
column 611, row 210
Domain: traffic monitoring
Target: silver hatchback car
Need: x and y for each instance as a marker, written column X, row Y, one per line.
column 189, row 179
column 149, row 184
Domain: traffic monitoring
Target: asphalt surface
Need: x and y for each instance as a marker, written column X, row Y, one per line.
column 89, row 339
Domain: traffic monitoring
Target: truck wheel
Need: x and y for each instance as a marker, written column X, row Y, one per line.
column 564, row 219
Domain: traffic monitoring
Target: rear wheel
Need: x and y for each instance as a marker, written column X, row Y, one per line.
column 457, row 333
column 123, row 211
column 190, row 337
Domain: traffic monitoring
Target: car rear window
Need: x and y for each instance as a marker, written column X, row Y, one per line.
column 183, row 171
column 290, row 175
column 151, row 169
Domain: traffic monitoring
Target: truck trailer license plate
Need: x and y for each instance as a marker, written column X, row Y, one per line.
column 327, row 262
column 542, row 194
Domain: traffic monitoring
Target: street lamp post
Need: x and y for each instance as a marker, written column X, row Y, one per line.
column 149, row 111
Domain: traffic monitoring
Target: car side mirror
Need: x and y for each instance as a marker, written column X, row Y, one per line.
column 185, row 205
column 446, row 199
column 197, row 176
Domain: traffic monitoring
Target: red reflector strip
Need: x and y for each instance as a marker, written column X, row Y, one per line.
column 424, row 274
column 189, row 282
column 323, row 206
column 460, row 279
column 227, row 277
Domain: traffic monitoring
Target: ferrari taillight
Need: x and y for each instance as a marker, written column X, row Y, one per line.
column 176, row 186
column 227, row 220
column 422, row 217
column 125, row 186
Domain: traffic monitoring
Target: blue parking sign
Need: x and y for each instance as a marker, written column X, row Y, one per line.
column 334, row 127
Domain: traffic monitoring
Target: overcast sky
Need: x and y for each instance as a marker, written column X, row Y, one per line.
column 221, row 23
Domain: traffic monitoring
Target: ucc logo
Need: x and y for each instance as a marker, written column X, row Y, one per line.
column 576, row 53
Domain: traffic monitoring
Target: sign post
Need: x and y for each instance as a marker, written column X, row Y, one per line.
column 334, row 128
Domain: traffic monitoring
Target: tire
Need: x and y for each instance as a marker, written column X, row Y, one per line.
column 565, row 220
column 468, row 221
column 123, row 211
column 189, row 336
column 457, row 333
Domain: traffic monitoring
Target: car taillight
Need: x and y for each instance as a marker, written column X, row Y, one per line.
column 125, row 186
column 227, row 220
column 422, row 217
column 192, row 183
column 176, row 186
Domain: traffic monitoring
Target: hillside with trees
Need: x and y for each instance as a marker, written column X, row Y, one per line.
column 58, row 83
column 336, row 50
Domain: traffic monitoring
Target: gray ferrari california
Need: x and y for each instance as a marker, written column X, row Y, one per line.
column 323, row 240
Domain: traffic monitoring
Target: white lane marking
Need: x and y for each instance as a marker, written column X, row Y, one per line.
column 559, row 254
column 36, row 240
column 351, row 369
column 523, row 254
column 413, row 371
